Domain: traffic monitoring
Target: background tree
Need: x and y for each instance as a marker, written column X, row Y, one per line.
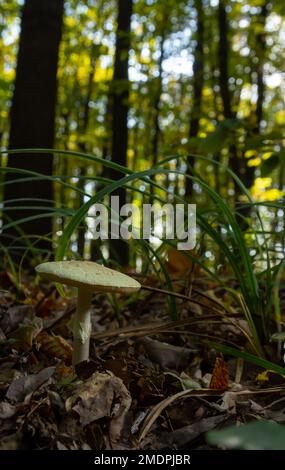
column 120, row 107
column 33, row 113
column 198, row 80
column 224, row 51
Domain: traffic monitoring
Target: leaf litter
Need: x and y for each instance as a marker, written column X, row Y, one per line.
column 150, row 382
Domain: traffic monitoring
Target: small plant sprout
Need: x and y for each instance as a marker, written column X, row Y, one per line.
column 88, row 277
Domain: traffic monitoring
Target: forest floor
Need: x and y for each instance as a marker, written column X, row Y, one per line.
column 151, row 383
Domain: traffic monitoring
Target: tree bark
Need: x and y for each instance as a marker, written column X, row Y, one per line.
column 33, row 112
column 120, row 107
column 260, row 47
column 198, row 81
column 224, row 47
column 81, row 235
column 156, row 104
column 224, row 60
column 261, row 50
column 156, row 131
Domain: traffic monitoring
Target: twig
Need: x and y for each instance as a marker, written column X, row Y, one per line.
column 182, row 296
column 160, row 407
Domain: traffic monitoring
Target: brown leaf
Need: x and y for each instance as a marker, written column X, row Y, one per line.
column 25, row 334
column 177, row 264
column 11, row 442
column 167, row 355
column 16, row 315
column 21, row 389
column 182, row 437
column 64, row 372
column 119, row 367
column 7, row 410
column 46, row 307
column 85, row 369
column 7, row 375
column 55, row 346
column 102, row 395
column 220, row 376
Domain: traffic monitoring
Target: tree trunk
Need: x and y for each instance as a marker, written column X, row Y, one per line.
column 224, row 60
column 260, row 47
column 83, row 148
column 33, row 112
column 156, row 131
column 224, row 47
column 120, row 107
column 156, row 104
column 198, row 81
column 260, row 50
column 106, row 147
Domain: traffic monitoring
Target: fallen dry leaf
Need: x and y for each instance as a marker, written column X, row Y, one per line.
column 160, row 407
column 178, row 264
column 22, row 388
column 167, row 355
column 183, row 436
column 12, row 442
column 102, row 395
column 229, row 402
column 16, row 315
column 46, row 306
column 8, row 375
column 220, row 376
column 26, row 333
column 55, row 346
column 7, row 410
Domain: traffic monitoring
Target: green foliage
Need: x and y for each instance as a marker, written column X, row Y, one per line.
column 272, row 163
column 223, row 135
column 250, row 297
column 257, row 435
column 258, row 361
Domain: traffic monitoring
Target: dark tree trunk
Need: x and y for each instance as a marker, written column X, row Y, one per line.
column 260, row 47
column 216, row 97
column 156, row 131
column 33, row 111
column 224, row 60
column 83, row 148
column 107, row 132
column 120, row 107
column 156, row 104
column 82, row 229
column 224, row 47
column 198, row 81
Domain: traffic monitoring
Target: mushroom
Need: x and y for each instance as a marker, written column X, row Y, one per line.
column 88, row 277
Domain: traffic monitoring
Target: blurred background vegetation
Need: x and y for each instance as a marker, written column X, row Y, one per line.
column 132, row 82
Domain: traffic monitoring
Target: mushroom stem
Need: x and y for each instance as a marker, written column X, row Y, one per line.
column 82, row 326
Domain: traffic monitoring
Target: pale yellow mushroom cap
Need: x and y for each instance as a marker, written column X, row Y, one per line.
column 89, row 275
